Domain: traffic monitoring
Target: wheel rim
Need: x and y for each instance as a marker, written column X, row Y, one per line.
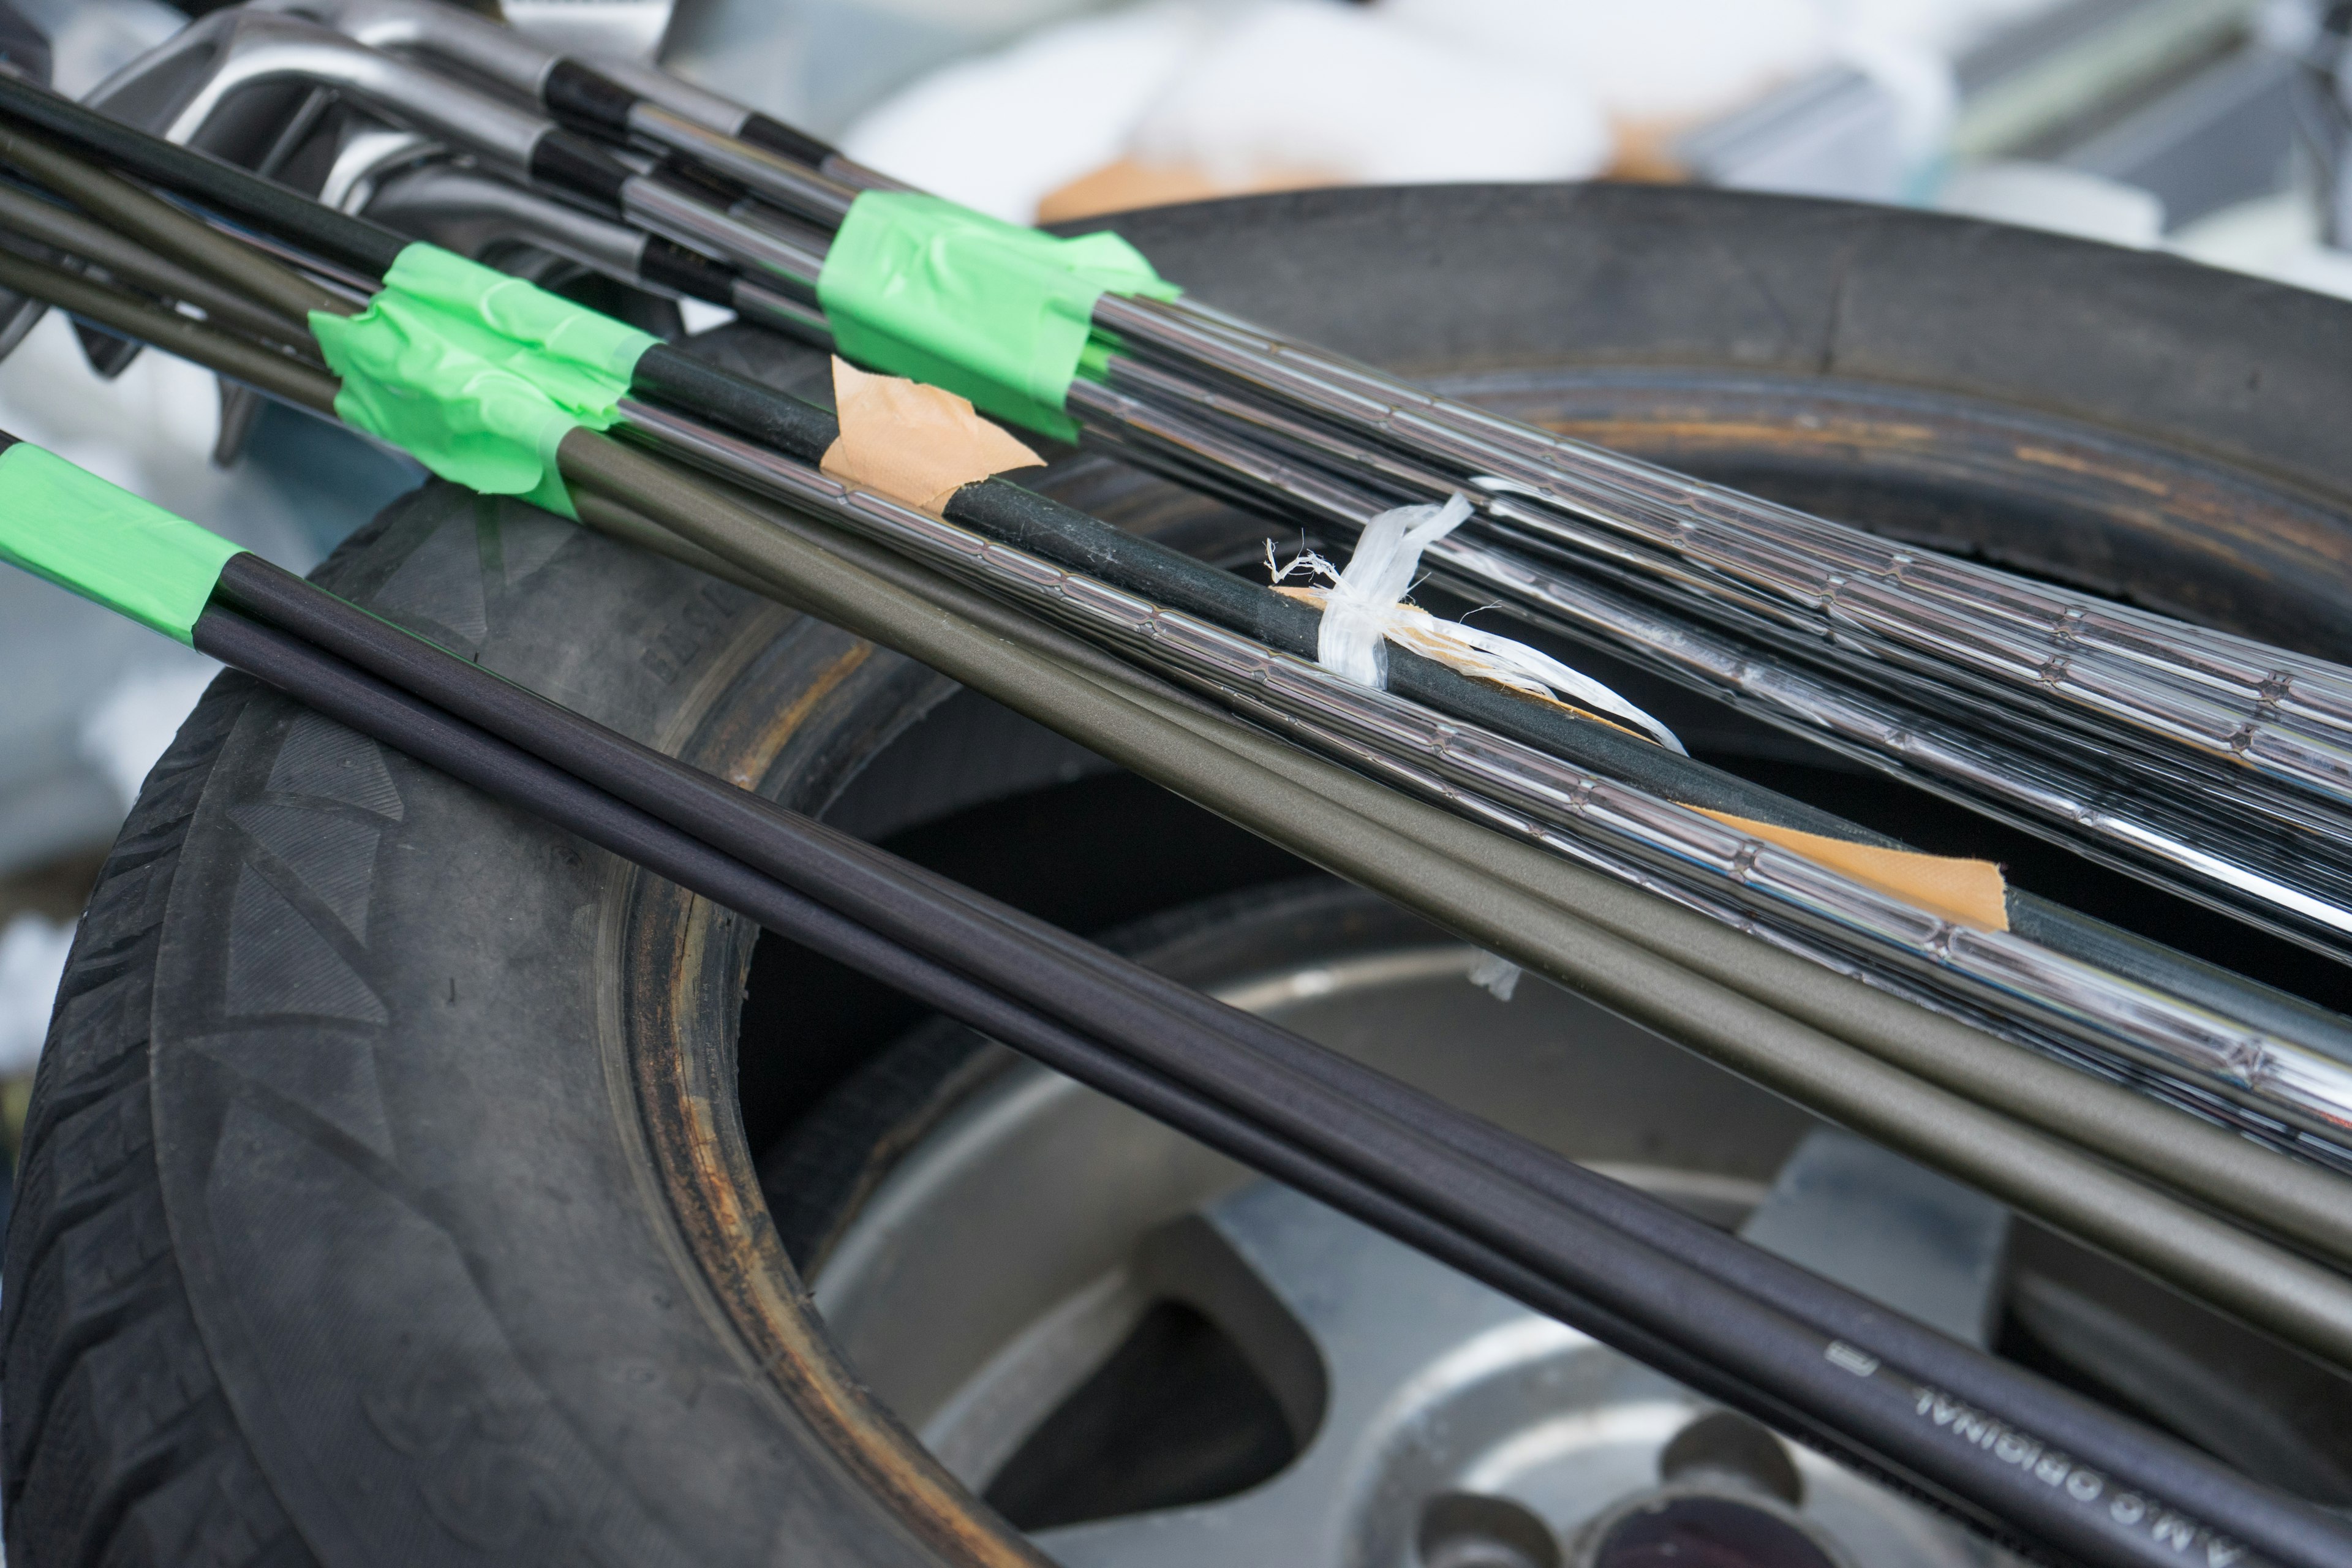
column 1016, row 1248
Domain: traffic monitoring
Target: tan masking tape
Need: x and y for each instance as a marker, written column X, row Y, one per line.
column 1967, row 892
column 913, row 443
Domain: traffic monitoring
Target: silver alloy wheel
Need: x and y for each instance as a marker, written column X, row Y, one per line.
column 1014, row 1248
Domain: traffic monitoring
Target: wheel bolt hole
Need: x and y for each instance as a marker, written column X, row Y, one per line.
column 1463, row 1530
column 1698, row 1530
column 1723, row 1448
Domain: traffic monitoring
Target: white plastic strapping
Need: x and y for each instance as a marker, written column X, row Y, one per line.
column 1364, row 611
column 1357, row 611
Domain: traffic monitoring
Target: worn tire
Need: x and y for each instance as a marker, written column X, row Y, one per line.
column 385, row 1198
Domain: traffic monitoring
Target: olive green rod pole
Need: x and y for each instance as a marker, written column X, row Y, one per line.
column 37, row 218
column 190, row 241
column 266, row 369
column 2291, row 1296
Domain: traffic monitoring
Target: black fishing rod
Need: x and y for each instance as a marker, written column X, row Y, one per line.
column 668, row 378
column 665, row 377
column 134, row 209
column 675, row 398
column 1057, row 971
column 1223, row 406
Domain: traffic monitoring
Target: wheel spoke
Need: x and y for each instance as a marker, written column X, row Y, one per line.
column 1437, row 1387
column 1402, row 1338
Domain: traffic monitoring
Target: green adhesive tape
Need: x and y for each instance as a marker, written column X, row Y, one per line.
column 70, row 526
column 922, row 287
column 476, row 374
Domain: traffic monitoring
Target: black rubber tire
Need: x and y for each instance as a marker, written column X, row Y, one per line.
column 343, row 1234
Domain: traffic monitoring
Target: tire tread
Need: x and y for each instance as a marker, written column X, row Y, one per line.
column 117, row 1447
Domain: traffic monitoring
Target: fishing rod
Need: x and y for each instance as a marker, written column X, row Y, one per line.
column 2266, row 878
column 1291, row 1108
column 2234, row 1041
column 737, row 822
column 1645, row 835
column 2238, row 845
column 803, row 176
column 2075, row 1195
column 826, row 431
column 2282, row 1195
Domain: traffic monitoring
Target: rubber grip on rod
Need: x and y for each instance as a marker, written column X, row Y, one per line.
column 586, row 99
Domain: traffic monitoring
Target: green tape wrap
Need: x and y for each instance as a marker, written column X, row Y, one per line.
column 70, row 526
column 922, row 287
column 476, row 374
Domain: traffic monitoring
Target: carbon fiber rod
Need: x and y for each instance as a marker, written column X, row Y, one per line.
column 2256, row 1287
column 2147, row 685
column 1048, row 969
column 2272, row 1289
column 1841, row 1392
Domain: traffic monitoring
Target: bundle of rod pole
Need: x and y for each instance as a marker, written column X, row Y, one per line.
column 2053, row 983
column 2222, row 766
column 1732, row 1320
column 2019, row 1127
column 1515, row 899
column 2287, row 1062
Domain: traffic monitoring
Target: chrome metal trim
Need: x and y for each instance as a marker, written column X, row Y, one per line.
column 678, row 215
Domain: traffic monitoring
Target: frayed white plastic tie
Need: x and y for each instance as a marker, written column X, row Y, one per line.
column 1364, row 611
column 1360, row 606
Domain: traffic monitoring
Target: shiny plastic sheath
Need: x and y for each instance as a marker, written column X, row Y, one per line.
column 2287, row 1085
